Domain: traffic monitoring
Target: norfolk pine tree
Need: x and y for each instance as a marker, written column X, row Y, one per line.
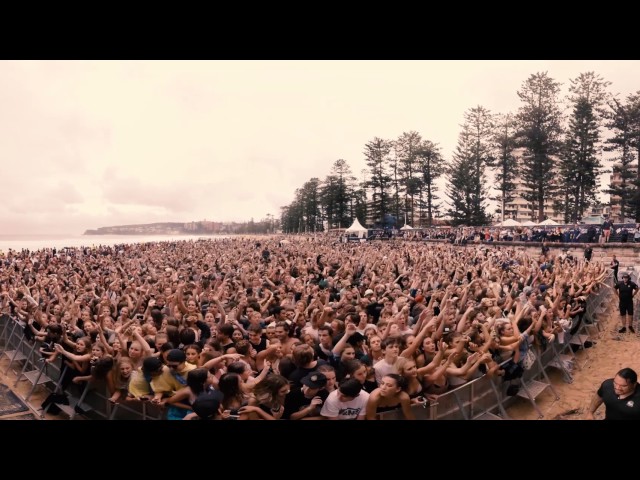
column 539, row 133
column 504, row 164
column 466, row 175
column 621, row 118
column 376, row 154
column 407, row 147
column 431, row 165
column 580, row 158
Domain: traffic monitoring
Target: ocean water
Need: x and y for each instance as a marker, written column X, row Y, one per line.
column 36, row 242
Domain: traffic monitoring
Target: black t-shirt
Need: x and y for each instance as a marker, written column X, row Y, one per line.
column 321, row 355
column 300, row 372
column 614, row 265
column 296, row 401
column 261, row 346
column 625, row 289
column 626, row 409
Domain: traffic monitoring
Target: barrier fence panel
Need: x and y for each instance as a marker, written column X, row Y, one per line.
column 477, row 398
column 472, row 400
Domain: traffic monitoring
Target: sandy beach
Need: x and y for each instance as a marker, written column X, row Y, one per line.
column 611, row 352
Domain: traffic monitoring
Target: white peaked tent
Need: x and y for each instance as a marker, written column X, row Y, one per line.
column 548, row 221
column 528, row 223
column 407, row 227
column 510, row 222
column 357, row 229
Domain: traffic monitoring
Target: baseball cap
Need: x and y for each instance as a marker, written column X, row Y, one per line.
column 314, row 380
column 176, row 355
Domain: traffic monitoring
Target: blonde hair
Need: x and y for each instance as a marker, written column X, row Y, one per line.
column 402, row 363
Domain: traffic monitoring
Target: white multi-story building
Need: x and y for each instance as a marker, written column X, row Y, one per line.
column 522, row 210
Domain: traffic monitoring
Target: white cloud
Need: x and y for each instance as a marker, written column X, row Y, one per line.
column 89, row 144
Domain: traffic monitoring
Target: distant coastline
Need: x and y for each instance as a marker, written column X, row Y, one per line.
column 164, row 228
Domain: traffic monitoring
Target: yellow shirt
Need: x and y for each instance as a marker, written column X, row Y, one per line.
column 167, row 383
column 138, row 385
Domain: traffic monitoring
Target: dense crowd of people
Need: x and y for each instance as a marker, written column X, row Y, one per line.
column 292, row 328
column 623, row 233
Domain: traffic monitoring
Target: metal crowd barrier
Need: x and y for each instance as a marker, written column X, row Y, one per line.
column 480, row 398
column 89, row 399
column 486, row 398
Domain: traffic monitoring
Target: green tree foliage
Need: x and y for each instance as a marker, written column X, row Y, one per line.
column 291, row 217
column 431, row 167
column 466, row 175
column 359, row 204
column 311, row 206
column 336, row 195
column 504, row 164
column 557, row 166
column 407, row 147
column 539, row 132
column 580, row 162
column 634, row 102
column 622, row 121
column 376, row 154
column 395, row 171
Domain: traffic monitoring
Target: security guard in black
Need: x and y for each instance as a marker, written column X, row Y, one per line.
column 619, row 407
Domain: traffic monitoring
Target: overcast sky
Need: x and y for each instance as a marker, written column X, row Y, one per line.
column 91, row 144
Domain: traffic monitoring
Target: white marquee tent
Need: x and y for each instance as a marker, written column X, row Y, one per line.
column 510, row 222
column 407, row 227
column 548, row 221
column 357, row 228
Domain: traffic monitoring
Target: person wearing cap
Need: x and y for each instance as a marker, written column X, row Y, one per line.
column 305, row 403
column 626, row 290
column 348, row 402
column 174, row 377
